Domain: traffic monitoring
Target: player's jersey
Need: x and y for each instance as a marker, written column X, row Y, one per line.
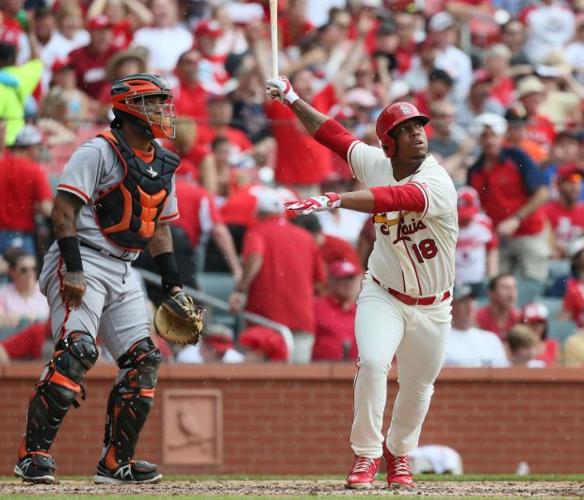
column 471, row 249
column 92, row 170
column 413, row 252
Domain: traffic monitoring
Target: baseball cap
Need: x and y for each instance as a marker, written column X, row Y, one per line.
column 496, row 123
column 99, row 23
column 569, row 172
column 441, row 21
column 387, row 27
column 29, row 135
column 219, row 337
column 529, row 85
column 60, row 64
column 461, row 291
column 343, row 269
column 468, row 202
column 209, row 28
column 361, row 97
column 269, row 201
column 498, row 50
column 534, row 311
column 265, row 340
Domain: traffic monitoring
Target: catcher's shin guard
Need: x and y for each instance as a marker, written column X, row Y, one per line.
column 129, row 402
column 57, row 390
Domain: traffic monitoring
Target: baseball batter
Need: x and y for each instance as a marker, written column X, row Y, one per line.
column 114, row 199
column 404, row 305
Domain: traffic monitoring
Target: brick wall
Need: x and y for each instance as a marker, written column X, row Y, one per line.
column 295, row 420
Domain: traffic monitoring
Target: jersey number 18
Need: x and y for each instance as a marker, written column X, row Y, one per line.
column 425, row 250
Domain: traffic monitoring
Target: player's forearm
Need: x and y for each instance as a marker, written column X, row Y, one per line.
column 360, row 201
column 162, row 251
column 385, row 199
column 161, row 241
column 309, row 116
column 64, row 214
column 537, row 200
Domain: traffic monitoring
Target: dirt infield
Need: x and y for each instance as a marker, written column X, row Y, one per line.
column 298, row 488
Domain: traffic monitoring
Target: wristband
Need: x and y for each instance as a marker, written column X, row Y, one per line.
column 166, row 264
column 291, row 97
column 69, row 248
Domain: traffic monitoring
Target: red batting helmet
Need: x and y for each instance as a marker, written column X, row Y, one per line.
column 128, row 104
column 390, row 118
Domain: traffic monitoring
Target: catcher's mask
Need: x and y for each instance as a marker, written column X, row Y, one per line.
column 134, row 100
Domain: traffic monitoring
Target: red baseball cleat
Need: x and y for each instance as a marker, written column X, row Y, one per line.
column 399, row 474
column 363, row 472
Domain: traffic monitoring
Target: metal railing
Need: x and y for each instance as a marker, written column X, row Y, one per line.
column 210, row 300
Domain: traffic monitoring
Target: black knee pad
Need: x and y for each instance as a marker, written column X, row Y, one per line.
column 130, row 402
column 75, row 355
column 142, row 362
column 58, row 390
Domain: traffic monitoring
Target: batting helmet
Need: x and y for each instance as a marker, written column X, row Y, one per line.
column 390, row 118
column 129, row 104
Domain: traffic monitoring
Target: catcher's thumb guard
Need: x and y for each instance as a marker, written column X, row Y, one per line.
column 179, row 320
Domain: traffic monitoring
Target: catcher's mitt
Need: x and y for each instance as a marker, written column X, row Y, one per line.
column 179, row 320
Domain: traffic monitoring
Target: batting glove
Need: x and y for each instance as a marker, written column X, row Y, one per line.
column 281, row 89
column 314, row 204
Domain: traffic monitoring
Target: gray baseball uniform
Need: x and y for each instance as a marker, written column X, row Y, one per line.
column 113, row 304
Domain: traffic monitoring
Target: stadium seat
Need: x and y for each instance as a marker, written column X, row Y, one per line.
column 553, row 305
column 220, row 286
column 561, row 329
column 529, row 290
column 558, row 329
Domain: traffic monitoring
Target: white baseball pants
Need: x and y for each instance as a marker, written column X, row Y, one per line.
column 384, row 327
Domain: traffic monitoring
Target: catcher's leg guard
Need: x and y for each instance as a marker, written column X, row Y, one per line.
column 55, row 393
column 128, row 407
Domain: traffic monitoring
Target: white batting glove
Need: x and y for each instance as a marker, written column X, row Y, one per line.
column 281, row 89
column 314, row 204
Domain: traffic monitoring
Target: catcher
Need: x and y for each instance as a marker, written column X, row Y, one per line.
column 115, row 198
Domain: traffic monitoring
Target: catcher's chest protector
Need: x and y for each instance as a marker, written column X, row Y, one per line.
column 128, row 213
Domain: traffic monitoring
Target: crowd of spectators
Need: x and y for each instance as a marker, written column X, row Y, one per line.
column 503, row 84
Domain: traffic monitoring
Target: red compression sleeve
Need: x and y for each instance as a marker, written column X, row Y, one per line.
column 409, row 197
column 335, row 137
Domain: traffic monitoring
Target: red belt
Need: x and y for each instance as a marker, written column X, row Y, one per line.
column 412, row 301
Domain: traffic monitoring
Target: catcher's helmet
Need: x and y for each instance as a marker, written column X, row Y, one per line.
column 129, row 104
column 390, row 118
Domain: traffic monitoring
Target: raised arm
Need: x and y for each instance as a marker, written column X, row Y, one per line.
column 323, row 128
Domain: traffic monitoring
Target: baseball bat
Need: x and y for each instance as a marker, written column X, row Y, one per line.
column 274, row 36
